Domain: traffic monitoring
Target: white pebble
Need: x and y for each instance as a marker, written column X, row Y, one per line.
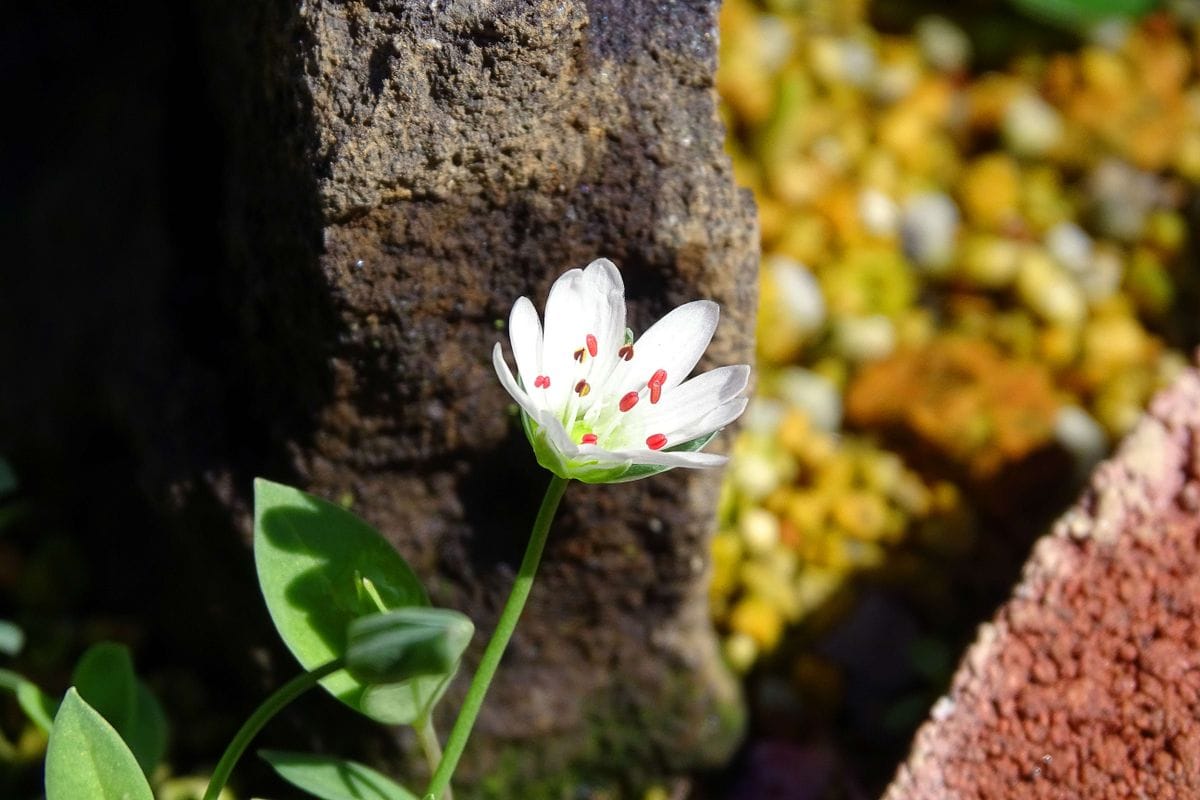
column 799, row 293
column 864, row 338
column 878, row 212
column 759, row 529
column 1032, row 127
column 815, row 394
column 943, row 44
column 929, row 228
column 1081, row 436
column 1071, row 247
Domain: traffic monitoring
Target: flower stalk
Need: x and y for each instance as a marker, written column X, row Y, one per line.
column 505, row 625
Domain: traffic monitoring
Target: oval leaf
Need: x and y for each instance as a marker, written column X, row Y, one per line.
column 85, row 758
column 406, row 702
column 147, row 733
column 104, row 679
column 312, row 558
column 407, row 643
column 333, row 778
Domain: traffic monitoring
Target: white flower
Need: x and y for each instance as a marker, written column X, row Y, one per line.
column 600, row 407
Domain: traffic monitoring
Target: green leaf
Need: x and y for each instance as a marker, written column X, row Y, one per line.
column 86, row 759
column 312, row 558
column 105, row 680
column 407, row 643
column 147, row 734
column 333, row 778
column 37, row 705
column 405, row 702
column 1082, row 13
column 12, row 638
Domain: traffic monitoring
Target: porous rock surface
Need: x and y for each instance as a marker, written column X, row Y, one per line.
column 1086, row 684
column 402, row 172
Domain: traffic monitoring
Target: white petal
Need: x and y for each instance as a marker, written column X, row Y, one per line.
column 525, row 335
column 674, row 343
column 713, row 420
column 510, row 383
column 604, row 276
column 663, row 458
column 683, row 405
column 605, row 299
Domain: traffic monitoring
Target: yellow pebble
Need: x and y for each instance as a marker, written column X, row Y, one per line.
column 758, row 619
column 990, row 190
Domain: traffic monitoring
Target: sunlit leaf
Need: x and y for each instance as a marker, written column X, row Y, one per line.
column 313, row 558
column 87, row 760
column 333, row 778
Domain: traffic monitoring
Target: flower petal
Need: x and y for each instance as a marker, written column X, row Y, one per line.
column 674, row 343
column 605, row 296
column 682, row 406
column 564, row 334
column 525, row 336
column 712, row 420
column 510, row 383
column 667, row 458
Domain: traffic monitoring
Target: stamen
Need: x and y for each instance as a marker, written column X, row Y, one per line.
column 592, row 345
column 656, row 442
column 579, row 355
column 628, row 401
column 582, row 388
column 588, row 438
column 626, row 352
column 541, row 382
column 655, row 383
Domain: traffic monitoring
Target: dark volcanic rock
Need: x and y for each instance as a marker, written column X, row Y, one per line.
column 1087, row 682
column 354, row 194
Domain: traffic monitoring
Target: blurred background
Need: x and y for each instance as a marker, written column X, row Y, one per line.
column 979, row 264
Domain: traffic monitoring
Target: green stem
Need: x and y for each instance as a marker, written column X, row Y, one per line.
column 495, row 648
column 431, row 747
column 270, row 707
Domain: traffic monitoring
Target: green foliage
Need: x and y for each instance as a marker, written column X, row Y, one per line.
column 12, row 638
column 320, row 568
column 407, row 643
column 104, row 677
column 86, row 758
column 37, row 705
column 1082, row 13
column 333, row 778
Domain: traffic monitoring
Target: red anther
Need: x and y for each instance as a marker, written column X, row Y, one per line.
column 588, row 438
column 656, row 442
column 582, row 388
column 592, row 345
column 628, row 401
column 579, row 355
column 626, row 352
column 541, row 382
column 655, row 383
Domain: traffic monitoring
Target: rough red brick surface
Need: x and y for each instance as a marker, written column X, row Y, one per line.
column 1086, row 684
